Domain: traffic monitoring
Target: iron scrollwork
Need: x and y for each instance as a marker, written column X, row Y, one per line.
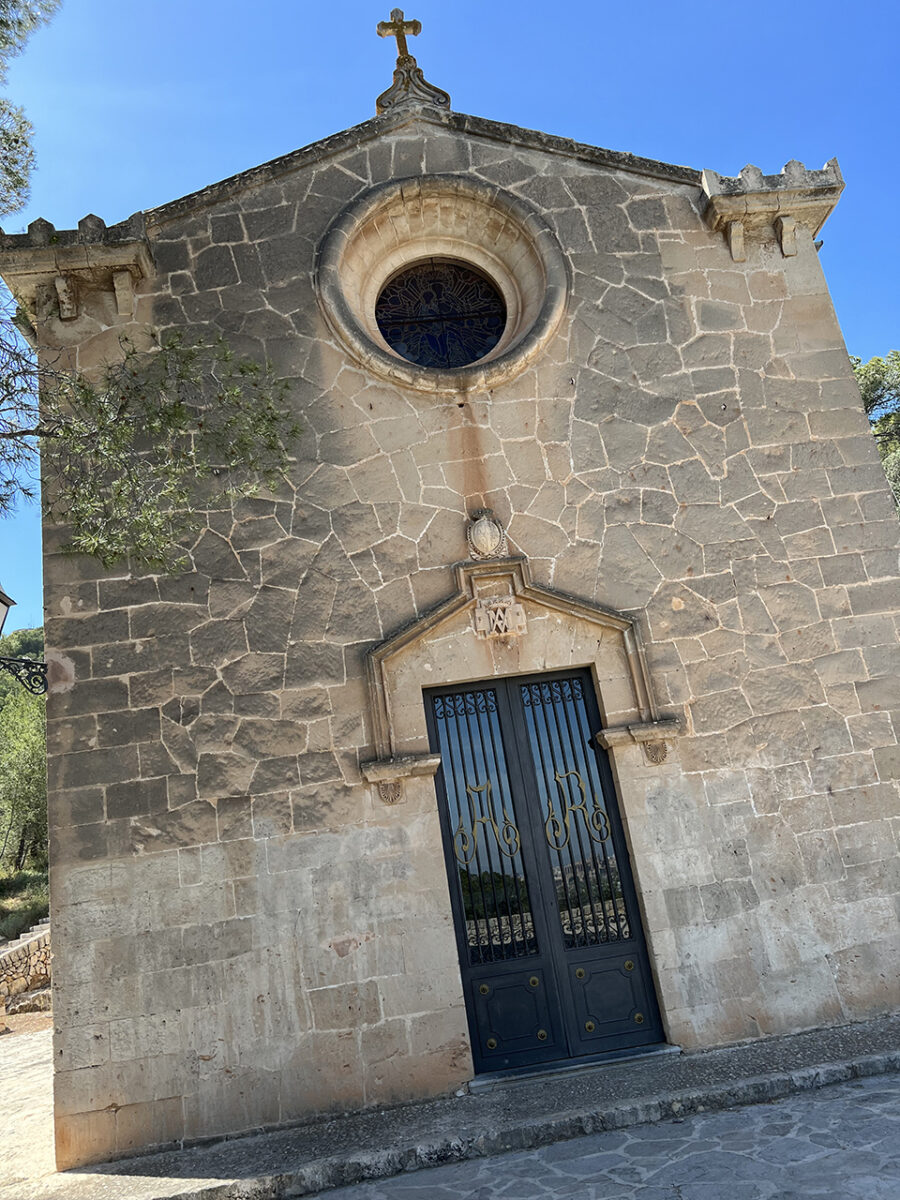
column 465, row 844
column 31, row 673
column 557, row 830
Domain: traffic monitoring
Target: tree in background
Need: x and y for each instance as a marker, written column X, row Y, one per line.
column 121, row 451
column 23, row 767
column 18, row 20
column 879, row 386
column 22, row 643
column 23, row 781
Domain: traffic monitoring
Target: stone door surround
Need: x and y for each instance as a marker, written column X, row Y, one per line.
column 553, row 632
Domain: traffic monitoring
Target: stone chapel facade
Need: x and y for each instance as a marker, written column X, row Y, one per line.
column 546, row 712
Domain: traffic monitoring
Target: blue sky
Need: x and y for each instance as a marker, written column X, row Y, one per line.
column 134, row 105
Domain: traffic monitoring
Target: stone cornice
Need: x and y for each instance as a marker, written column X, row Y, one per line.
column 752, row 203
column 115, row 256
column 409, row 115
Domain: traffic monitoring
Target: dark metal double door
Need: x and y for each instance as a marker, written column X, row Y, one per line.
column 553, row 957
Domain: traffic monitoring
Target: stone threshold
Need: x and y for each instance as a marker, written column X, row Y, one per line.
column 380, row 1143
column 556, row 1070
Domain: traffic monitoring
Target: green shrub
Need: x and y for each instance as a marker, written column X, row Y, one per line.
column 24, row 900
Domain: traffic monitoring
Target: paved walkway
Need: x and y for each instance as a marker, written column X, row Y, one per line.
column 840, row 1143
column 799, row 1134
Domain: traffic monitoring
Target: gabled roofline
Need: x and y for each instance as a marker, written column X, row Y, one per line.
column 480, row 127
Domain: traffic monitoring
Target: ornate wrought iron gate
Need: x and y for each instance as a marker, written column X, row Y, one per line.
column 554, row 962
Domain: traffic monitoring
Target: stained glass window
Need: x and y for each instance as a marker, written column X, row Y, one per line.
column 439, row 313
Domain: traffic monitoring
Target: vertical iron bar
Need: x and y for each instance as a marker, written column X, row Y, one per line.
column 544, row 779
column 484, row 804
column 477, row 803
column 463, row 798
column 577, row 759
column 557, row 754
column 583, row 721
column 497, row 772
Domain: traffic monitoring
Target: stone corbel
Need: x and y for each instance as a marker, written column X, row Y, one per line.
column 67, row 296
column 735, row 233
column 770, row 207
column 652, row 736
column 123, row 286
column 786, row 231
column 387, row 774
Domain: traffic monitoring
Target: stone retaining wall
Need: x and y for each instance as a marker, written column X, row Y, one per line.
column 25, row 966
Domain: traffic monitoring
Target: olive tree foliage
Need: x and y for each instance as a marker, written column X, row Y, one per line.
column 23, row 767
column 879, row 386
column 121, row 451
column 124, row 451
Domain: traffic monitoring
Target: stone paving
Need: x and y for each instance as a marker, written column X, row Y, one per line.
column 811, row 1136
column 842, row 1141
column 26, row 1115
column 804, row 1139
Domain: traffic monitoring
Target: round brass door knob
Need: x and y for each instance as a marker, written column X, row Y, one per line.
column 629, row 965
column 542, row 1035
column 590, row 1026
column 484, row 989
column 534, row 981
column 491, row 1043
column 579, row 974
column 638, row 1018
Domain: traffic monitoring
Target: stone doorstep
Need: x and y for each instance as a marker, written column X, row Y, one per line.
column 377, row 1144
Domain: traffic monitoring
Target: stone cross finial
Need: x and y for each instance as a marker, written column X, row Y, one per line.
column 397, row 27
column 409, row 83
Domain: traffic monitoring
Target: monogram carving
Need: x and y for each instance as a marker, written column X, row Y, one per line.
column 499, row 616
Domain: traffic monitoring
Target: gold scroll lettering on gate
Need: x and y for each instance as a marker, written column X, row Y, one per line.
column 558, row 830
column 465, row 843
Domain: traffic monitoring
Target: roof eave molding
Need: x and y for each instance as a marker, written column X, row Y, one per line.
column 752, row 203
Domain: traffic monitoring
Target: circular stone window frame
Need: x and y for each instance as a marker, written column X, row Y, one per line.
column 395, row 225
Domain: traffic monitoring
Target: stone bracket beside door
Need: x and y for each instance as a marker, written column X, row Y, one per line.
column 652, row 736
column 388, row 773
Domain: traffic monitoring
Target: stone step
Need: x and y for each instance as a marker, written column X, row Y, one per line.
column 42, row 927
column 29, row 1002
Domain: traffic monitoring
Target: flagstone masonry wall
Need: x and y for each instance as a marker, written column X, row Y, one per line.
column 243, row 932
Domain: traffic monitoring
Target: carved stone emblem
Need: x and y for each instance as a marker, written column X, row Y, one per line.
column 390, row 791
column 655, row 752
column 499, row 616
column 485, row 535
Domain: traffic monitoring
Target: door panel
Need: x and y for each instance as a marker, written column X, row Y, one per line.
column 547, row 923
